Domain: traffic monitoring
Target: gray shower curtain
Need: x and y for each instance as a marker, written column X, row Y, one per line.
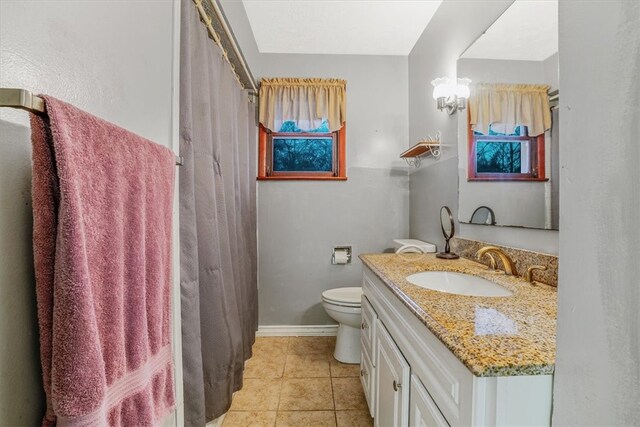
column 217, row 224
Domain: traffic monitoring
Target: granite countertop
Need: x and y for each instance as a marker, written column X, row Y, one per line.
column 491, row 336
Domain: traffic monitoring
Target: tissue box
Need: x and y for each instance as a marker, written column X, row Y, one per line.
column 426, row 247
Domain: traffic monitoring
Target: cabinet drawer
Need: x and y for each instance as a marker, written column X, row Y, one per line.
column 423, row 412
column 367, row 328
column 367, row 378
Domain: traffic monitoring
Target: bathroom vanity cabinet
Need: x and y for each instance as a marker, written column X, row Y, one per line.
column 411, row 378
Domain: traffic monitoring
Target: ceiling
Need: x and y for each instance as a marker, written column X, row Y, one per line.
column 351, row 27
column 528, row 30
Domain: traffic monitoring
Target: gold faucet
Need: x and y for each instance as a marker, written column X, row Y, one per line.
column 492, row 261
column 508, row 263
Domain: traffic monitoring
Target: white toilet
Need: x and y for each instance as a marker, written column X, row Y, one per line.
column 345, row 307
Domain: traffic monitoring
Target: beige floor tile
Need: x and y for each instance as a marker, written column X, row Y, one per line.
column 306, row 394
column 257, row 395
column 331, row 345
column 311, row 345
column 306, row 419
column 265, row 366
column 270, row 346
column 339, row 369
column 354, row 419
column 308, row 366
column 249, row 419
column 348, row 393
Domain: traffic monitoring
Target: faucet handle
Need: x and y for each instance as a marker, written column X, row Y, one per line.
column 529, row 274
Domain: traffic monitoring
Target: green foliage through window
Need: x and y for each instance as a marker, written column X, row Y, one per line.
column 498, row 157
column 291, row 154
column 503, row 155
column 291, row 127
column 304, row 153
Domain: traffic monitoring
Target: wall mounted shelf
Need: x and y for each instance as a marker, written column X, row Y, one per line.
column 429, row 146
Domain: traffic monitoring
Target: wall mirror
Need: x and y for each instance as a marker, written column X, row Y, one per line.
column 509, row 159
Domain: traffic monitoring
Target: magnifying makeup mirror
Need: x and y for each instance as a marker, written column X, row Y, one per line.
column 448, row 230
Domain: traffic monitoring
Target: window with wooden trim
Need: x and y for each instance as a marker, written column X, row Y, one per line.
column 500, row 157
column 506, row 125
column 303, row 129
column 292, row 153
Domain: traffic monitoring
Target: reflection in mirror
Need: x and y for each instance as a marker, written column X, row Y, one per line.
column 509, row 159
column 448, row 230
column 483, row 215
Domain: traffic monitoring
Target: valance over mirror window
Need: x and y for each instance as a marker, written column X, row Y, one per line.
column 505, row 107
column 306, row 101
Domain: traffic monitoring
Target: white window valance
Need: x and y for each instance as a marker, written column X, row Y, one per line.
column 306, row 101
column 507, row 106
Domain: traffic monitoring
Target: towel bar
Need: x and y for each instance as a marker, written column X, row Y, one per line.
column 25, row 100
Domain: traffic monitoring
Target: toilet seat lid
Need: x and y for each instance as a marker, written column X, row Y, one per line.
column 344, row 295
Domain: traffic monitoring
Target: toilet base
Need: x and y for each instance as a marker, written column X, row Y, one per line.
column 347, row 345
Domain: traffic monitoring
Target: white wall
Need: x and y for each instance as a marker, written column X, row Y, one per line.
column 552, row 71
column 117, row 60
column 597, row 378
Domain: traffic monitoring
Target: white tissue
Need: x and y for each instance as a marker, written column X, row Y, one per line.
column 341, row 257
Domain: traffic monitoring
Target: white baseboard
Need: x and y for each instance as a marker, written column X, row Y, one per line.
column 297, row 330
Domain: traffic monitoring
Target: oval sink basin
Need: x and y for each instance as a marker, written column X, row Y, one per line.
column 458, row 283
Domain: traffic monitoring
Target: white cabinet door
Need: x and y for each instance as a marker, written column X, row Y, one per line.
column 368, row 327
column 367, row 379
column 391, row 382
column 423, row 411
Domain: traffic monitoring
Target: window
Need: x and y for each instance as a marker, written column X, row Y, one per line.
column 502, row 157
column 506, row 126
column 302, row 132
column 292, row 153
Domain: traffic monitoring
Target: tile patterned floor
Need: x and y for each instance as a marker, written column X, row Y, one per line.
column 295, row 381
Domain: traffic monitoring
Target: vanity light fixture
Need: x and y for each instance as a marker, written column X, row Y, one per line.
column 451, row 96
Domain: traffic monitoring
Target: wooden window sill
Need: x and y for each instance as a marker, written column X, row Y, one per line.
column 301, row 178
column 339, row 162
column 508, row 179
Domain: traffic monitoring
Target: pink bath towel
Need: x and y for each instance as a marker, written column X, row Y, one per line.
column 102, row 203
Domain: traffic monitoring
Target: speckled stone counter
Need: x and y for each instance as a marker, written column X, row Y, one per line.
column 523, row 258
column 491, row 336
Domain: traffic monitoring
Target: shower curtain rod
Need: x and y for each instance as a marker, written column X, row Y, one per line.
column 214, row 20
column 25, row 100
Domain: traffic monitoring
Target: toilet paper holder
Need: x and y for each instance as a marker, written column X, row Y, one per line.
column 341, row 249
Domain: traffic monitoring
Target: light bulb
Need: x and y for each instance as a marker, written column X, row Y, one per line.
column 462, row 89
column 442, row 88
